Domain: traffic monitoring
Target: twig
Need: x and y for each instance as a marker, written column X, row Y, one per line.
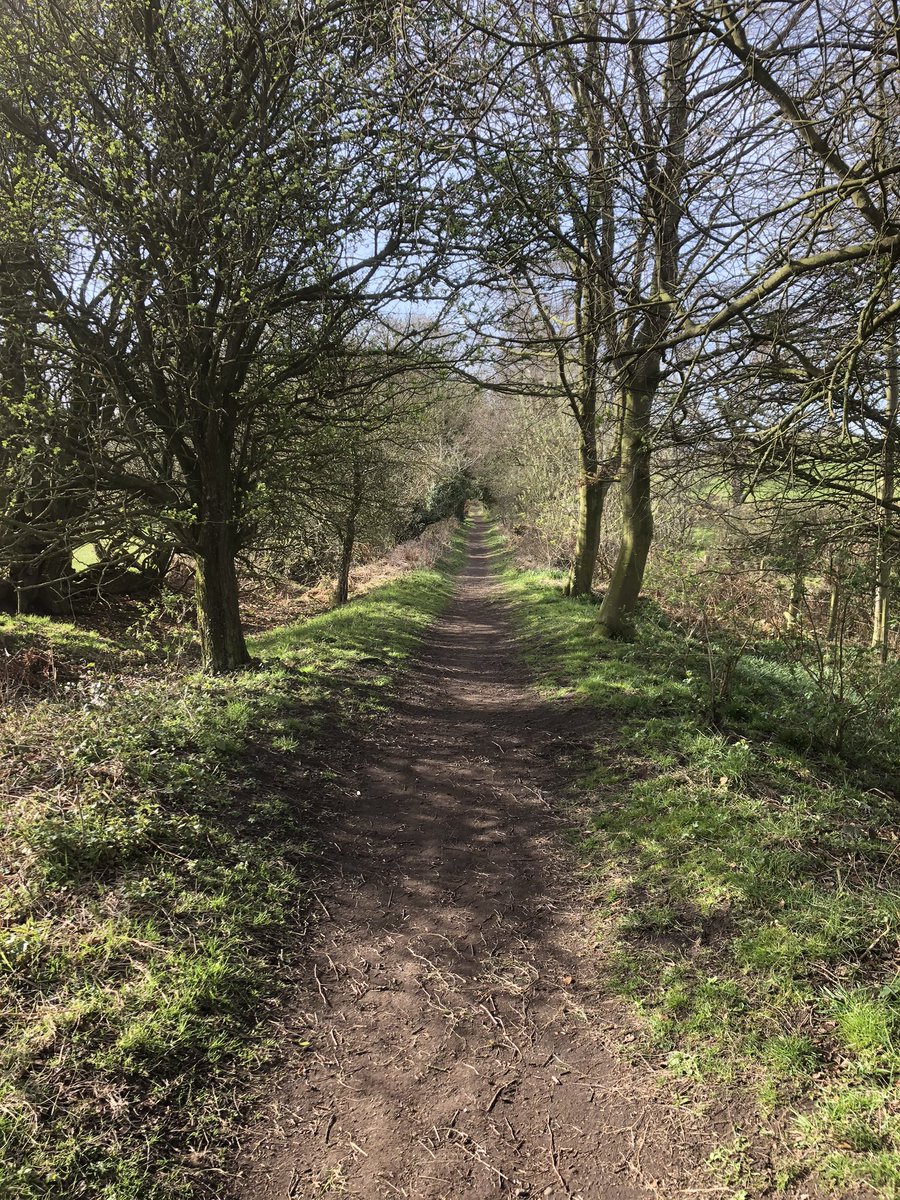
column 496, row 1096
column 461, row 1139
column 554, row 1159
column 325, row 999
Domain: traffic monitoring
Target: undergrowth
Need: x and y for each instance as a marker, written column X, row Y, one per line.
column 156, row 859
column 746, row 886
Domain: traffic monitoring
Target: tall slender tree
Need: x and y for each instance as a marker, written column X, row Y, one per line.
column 659, row 186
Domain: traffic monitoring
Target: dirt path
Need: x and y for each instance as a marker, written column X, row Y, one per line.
column 458, row 1042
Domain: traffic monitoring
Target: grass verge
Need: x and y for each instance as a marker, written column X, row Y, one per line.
column 746, row 889
column 155, row 861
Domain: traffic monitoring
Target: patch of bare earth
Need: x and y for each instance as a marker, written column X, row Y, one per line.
column 457, row 1040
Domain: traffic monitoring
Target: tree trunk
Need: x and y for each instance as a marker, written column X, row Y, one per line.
column 794, row 612
column 348, row 538
column 42, row 581
column 39, row 564
column 737, row 487
column 41, row 571
column 591, row 497
column 620, row 600
column 881, row 624
column 342, row 591
column 640, row 374
column 222, row 643
column 834, row 611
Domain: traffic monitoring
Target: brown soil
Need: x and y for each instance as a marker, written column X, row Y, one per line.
column 454, row 1040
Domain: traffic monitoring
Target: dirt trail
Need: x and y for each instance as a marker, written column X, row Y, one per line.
column 458, row 1042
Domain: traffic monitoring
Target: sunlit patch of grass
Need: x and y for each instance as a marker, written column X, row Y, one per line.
column 75, row 641
column 154, row 889
column 85, row 556
column 868, row 1027
column 747, row 889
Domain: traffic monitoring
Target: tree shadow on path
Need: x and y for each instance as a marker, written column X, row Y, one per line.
column 454, row 1040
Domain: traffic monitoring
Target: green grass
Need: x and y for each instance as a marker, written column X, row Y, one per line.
column 85, row 557
column 746, row 887
column 156, row 856
column 66, row 640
